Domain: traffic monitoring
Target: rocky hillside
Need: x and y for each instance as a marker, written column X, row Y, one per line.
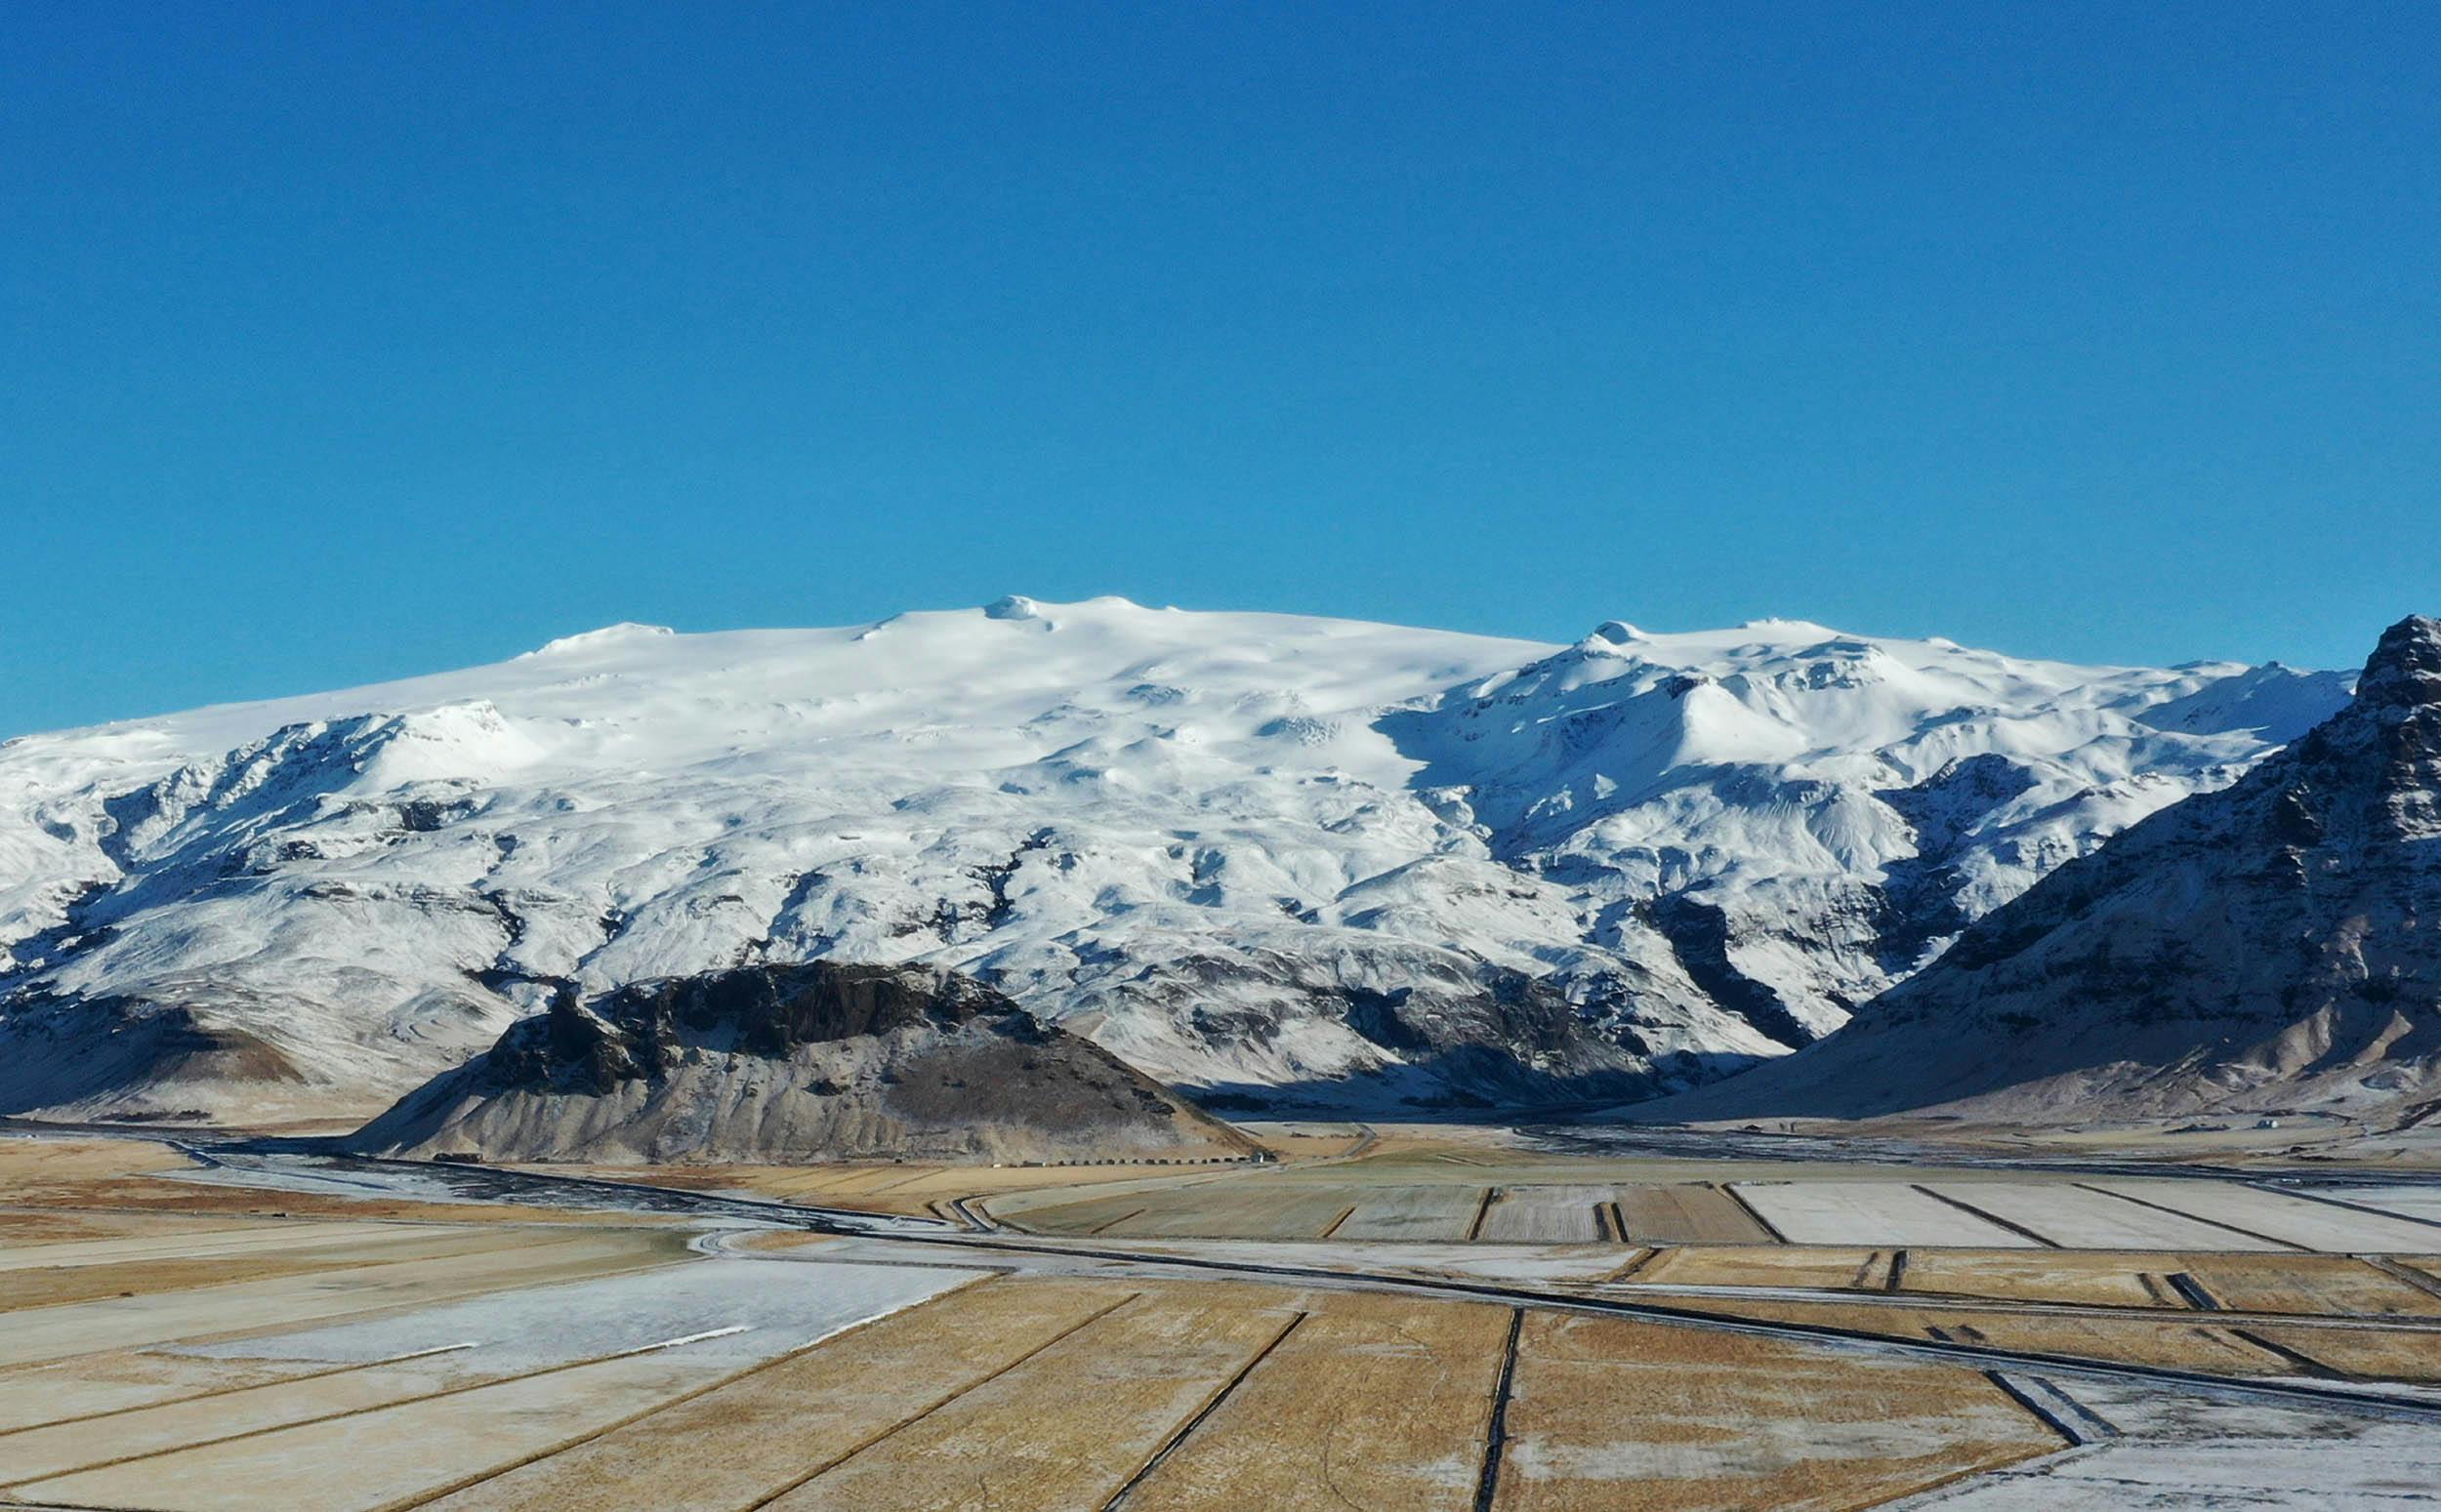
column 778, row 1064
column 1257, row 856
column 2274, row 944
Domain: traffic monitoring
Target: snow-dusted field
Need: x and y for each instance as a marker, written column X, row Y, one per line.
column 2178, row 1453
column 2408, row 1201
column 1413, row 1214
column 2076, row 1218
column 2293, row 1220
column 736, row 1311
column 579, row 1361
column 1870, row 1214
column 1545, row 1215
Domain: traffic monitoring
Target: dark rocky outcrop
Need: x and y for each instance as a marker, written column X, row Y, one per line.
column 800, row 1062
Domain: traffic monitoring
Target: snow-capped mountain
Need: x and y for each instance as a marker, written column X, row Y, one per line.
column 1252, row 855
column 2267, row 946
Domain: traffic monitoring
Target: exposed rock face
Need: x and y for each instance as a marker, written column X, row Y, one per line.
column 814, row 1061
column 2276, row 944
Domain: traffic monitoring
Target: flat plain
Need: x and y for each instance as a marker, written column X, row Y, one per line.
column 178, row 1339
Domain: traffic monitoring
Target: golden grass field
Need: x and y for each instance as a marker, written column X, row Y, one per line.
column 1314, row 1429
column 1725, row 1421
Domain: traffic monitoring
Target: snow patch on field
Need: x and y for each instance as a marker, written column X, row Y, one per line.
column 734, row 1310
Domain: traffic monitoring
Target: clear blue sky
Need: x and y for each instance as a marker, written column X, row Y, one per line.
column 352, row 340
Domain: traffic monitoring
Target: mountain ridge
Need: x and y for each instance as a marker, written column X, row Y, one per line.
column 2260, row 947
column 1261, row 856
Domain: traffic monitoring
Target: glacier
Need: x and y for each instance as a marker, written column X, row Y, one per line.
column 1270, row 859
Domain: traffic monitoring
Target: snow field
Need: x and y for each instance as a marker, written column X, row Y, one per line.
column 374, row 1458
column 2077, row 1217
column 2293, row 1220
column 2178, row 1453
column 164, row 1316
column 1871, row 1213
column 2406, row 1202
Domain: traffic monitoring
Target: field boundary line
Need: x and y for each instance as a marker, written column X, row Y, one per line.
column 2195, row 1217
column 892, row 1186
column 1729, row 1190
column 364, row 1315
column 424, row 1498
column 308, row 1273
column 2406, row 1273
column 1969, row 1301
column 2341, row 1201
column 904, row 1424
column 1346, row 1214
column 1496, row 1424
column 1943, row 1491
column 513, row 1378
column 2302, row 1361
column 1482, row 1210
column 1195, row 1420
column 223, row 1391
column 1099, row 1229
column 1993, row 1218
column 1896, row 1280
column 1634, row 1263
column 1973, row 1356
column 2055, row 1408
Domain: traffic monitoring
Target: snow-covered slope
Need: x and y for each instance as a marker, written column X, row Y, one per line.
column 1257, row 854
column 2263, row 947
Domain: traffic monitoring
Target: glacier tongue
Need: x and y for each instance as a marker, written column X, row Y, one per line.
column 1259, row 855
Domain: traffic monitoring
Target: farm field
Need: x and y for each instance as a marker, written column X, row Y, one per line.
column 2401, row 1201
column 1757, row 1266
column 2285, row 1220
column 2195, row 1343
column 1730, row 1422
column 1314, row 1429
column 1685, row 1213
column 2315, row 1285
column 1413, row 1214
column 1869, row 1212
column 1545, row 1216
column 350, row 1346
column 2072, row 1217
column 2362, row 1353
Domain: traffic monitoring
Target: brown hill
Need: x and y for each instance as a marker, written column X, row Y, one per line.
column 812, row 1061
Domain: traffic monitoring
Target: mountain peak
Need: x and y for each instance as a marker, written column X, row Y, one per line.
column 607, row 635
column 2404, row 670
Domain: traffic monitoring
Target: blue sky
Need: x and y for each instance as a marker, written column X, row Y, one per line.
column 347, row 342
